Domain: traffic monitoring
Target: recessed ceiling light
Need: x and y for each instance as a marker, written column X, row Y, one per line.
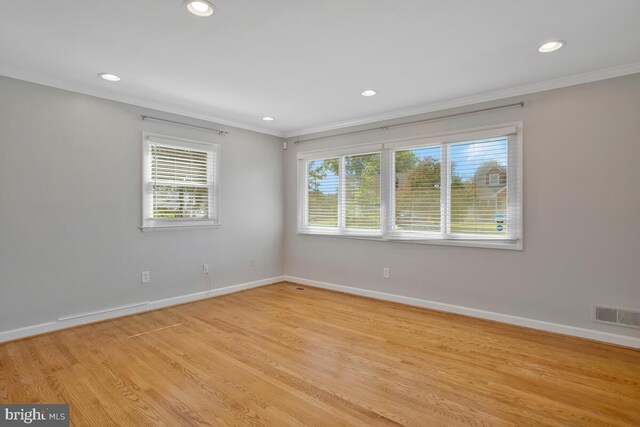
column 200, row 7
column 268, row 119
column 551, row 46
column 369, row 92
column 109, row 77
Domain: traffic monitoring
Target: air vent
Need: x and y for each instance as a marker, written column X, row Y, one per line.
column 616, row 316
column 629, row 318
column 606, row 314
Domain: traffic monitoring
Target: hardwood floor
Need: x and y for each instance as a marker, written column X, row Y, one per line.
column 281, row 356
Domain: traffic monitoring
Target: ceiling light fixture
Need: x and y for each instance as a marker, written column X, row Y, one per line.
column 551, row 46
column 368, row 92
column 200, row 7
column 109, row 77
column 268, row 119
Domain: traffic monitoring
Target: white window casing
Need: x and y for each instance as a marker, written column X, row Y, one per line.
column 180, row 183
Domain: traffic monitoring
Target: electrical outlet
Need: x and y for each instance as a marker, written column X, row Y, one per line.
column 385, row 273
column 252, row 261
column 205, row 268
column 145, row 277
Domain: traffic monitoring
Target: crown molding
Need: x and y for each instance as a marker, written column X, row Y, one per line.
column 40, row 79
column 572, row 80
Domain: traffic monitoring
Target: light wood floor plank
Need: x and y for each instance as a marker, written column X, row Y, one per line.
column 281, row 356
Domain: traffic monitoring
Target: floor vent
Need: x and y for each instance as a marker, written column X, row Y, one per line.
column 616, row 316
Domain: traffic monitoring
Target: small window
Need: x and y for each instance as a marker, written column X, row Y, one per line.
column 180, row 184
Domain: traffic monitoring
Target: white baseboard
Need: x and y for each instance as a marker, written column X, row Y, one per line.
column 64, row 322
column 111, row 313
column 591, row 334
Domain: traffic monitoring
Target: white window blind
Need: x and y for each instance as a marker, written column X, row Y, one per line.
column 323, row 183
column 342, row 195
column 462, row 189
column 458, row 190
column 417, row 189
column 479, row 189
column 362, row 192
column 180, row 183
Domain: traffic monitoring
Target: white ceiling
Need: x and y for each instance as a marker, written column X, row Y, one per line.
column 305, row 62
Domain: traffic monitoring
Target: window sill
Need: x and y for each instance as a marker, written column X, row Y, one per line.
column 156, row 228
column 514, row 245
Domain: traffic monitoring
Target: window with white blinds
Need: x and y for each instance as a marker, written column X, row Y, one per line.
column 462, row 189
column 417, row 189
column 180, row 183
column 342, row 195
column 478, row 189
column 324, row 182
column 362, row 192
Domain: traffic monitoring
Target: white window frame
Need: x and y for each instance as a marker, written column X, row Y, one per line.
column 513, row 240
column 151, row 224
column 303, row 185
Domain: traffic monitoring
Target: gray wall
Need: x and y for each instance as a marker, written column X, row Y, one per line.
column 581, row 209
column 70, row 208
column 70, row 203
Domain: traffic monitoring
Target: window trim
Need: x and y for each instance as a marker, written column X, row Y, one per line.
column 303, row 180
column 513, row 132
column 214, row 196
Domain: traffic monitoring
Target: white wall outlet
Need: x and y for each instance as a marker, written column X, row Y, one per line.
column 252, row 261
column 385, row 273
column 145, row 277
column 205, row 268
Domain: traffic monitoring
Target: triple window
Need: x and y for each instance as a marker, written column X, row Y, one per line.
column 460, row 189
